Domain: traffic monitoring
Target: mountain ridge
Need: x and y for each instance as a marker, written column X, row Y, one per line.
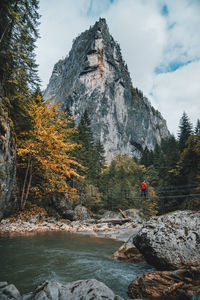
column 94, row 77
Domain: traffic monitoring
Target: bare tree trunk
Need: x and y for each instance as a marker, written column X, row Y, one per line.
column 2, row 36
column 29, row 184
column 24, row 185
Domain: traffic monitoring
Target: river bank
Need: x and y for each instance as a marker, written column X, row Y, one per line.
column 169, row 242
column 30, row 224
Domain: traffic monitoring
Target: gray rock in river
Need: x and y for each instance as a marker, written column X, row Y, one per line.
column 171, row 241
column 90, row 289
column 9, row 291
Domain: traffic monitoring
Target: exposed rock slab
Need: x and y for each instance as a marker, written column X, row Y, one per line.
column 171, row 241
column 166, row 285
column 7, row 168
column 90, row 289
column 94, row 77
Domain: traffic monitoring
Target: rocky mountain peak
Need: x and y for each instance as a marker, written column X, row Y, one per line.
column 94, row 77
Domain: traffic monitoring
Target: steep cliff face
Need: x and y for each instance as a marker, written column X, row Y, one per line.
column 94, row 77
column 7, row 167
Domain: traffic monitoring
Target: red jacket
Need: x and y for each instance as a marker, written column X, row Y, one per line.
column 143, row 185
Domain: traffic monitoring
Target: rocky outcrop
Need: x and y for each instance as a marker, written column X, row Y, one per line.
column 7, row 167
column 171, row 241
column 166, row 285
column 128, row 252
column 95, row 78
column 90, row 289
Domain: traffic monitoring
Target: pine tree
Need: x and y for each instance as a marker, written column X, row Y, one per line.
column 86, row 153
column 99, row 162
column 18, row 69
column 187, row 171
column 197, row 128
column 185, row 131
column 18, row 33
column 147, row 157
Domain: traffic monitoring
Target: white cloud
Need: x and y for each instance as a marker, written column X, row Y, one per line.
column 61, row 22
column 140, row 30
column 179, row 91
column 148, row 40
column 183, row 42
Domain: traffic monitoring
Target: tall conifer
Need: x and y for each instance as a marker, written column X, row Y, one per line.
column 197, row 128
column 18, row 33
column 185, row 131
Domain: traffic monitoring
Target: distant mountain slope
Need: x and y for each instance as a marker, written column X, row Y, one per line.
column 95, row 78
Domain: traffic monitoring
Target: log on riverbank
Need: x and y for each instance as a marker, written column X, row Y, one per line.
column 114, row 221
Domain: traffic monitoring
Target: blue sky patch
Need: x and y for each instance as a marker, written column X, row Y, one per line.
column 164, row 10
column 171, row 67
column 97, row 7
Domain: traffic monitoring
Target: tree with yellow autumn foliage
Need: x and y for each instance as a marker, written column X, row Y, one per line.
column 44, row 152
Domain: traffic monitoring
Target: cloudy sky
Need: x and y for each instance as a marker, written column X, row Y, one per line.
column 159, row 39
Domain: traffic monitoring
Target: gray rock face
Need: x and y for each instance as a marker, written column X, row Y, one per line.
column 94, row 77
column 172, row 241
column 90, row 289
column 7, row 168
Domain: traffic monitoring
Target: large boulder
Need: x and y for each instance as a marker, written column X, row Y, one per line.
column 90, row 289
column 81, row 213
column 64, row 208
column 135, row 214
column 171, row 241
column 166, row 285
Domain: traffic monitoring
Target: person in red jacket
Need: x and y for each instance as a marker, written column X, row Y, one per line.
column 143, row 189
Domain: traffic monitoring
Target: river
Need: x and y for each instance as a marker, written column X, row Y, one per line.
column 26, row 261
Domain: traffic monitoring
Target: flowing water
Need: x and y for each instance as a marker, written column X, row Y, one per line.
column 26, row 261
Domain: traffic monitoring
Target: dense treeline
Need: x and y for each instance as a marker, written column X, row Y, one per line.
column 60, row 160
column 174, row 168
column 172, row 172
